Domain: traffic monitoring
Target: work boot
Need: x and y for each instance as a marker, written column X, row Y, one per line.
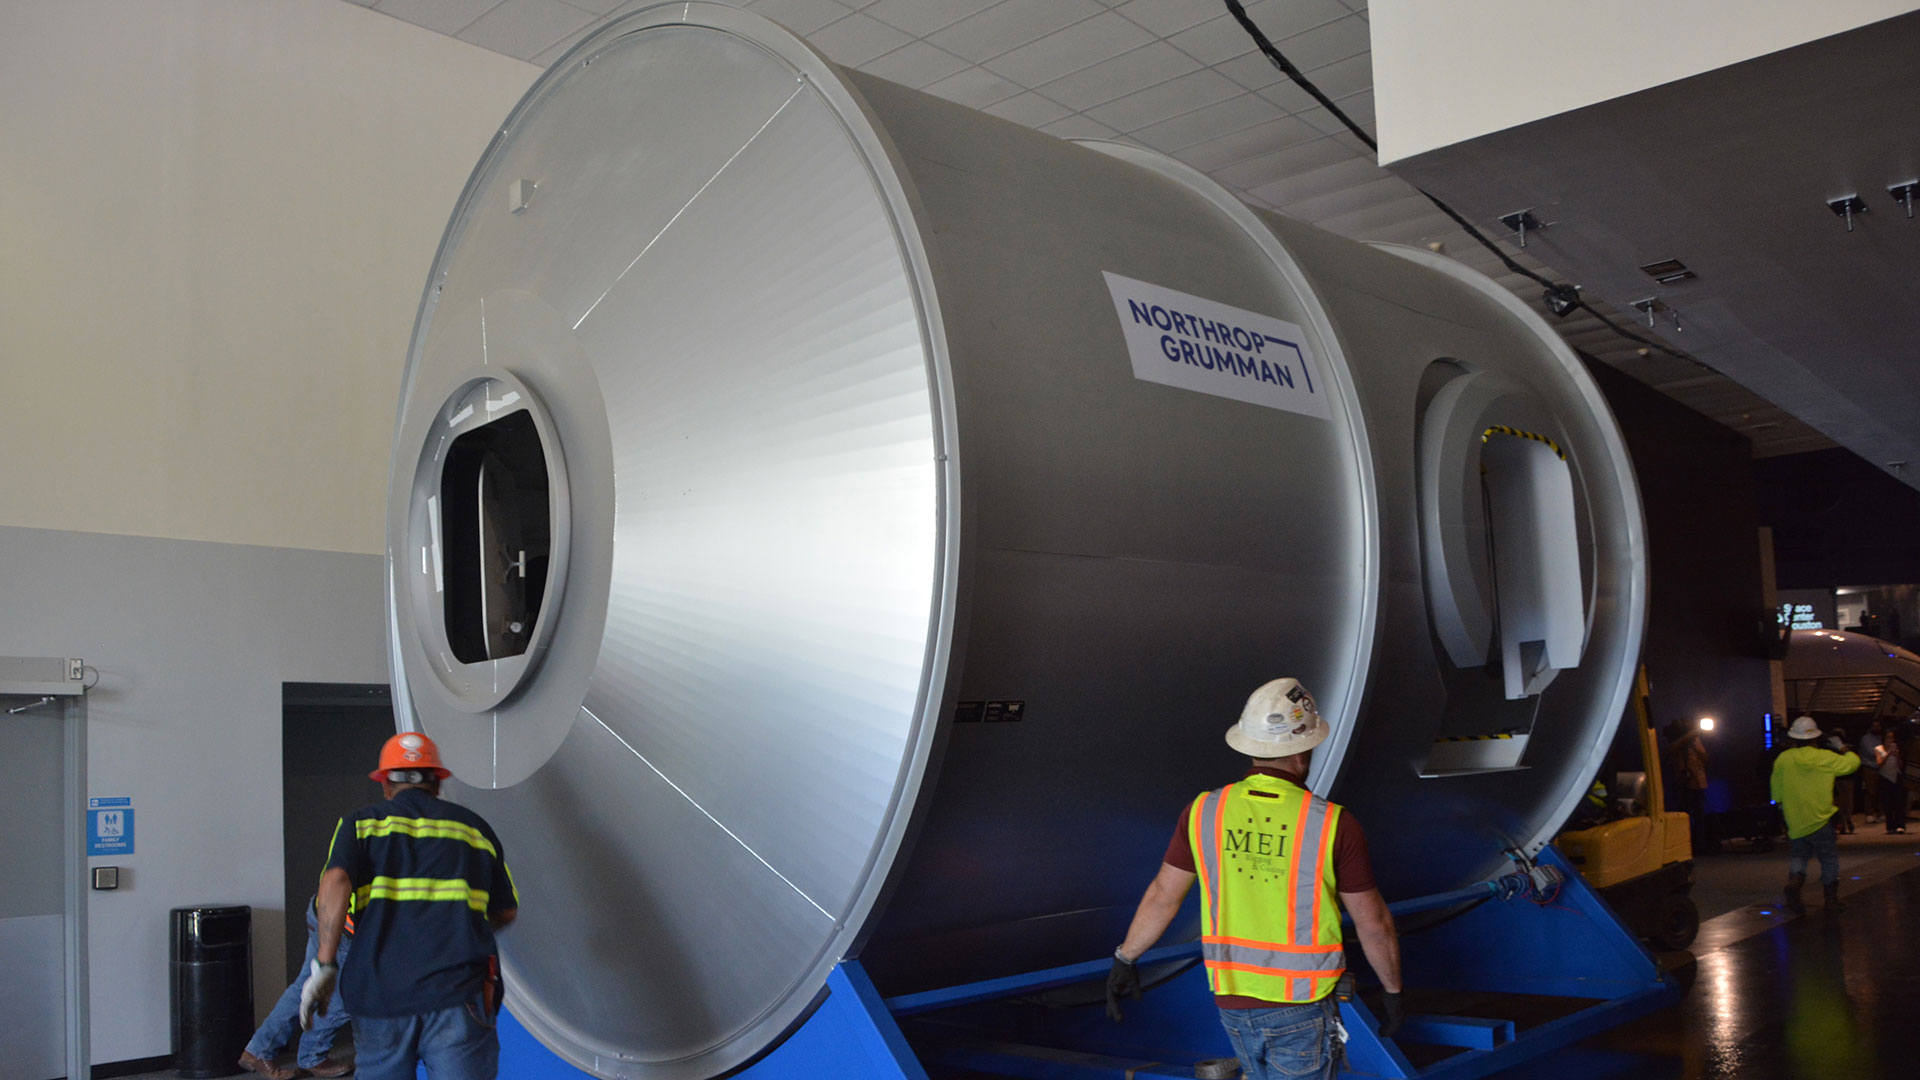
column 1833, row 896
column 330, row 1067
column 266, row 1068
column 1794, row 903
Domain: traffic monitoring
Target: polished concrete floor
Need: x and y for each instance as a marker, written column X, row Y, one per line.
column 1771, row 997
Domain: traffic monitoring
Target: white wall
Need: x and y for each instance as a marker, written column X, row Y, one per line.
column 218, row 217
column 1447, row 72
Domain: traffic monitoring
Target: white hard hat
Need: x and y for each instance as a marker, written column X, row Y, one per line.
column 1803, row 728
column 1280, row 720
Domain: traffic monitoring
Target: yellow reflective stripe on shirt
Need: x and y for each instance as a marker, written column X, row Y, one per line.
column 428, row 889
column 515, row 889
column 425, row 828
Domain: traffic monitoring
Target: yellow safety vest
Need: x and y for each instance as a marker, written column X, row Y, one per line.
column 1269, row 916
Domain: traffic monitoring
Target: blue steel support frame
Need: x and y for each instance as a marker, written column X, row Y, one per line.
column 1571, row 947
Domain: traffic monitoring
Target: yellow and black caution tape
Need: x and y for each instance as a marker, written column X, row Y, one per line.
column 1471, row 738
column 1502, row 429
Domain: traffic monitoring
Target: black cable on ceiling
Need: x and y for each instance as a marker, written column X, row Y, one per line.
column 1559, row 296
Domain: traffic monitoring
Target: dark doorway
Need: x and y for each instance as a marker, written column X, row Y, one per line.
column 330, row 737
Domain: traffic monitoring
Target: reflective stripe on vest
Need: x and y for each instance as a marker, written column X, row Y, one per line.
column 1270, row 920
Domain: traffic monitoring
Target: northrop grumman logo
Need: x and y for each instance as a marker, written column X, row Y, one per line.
column 1193, row 343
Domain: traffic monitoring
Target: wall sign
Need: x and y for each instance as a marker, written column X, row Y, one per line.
column 1178, row 339
column 110, row 825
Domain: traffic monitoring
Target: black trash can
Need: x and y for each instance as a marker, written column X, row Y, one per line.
column 212, row 988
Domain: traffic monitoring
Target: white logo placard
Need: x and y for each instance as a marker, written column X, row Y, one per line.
column 1178, row 339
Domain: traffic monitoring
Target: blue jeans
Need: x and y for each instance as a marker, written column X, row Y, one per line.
column 1820, row 844
column 1285, row 1042
column 283, row 1023
column 459, row 1043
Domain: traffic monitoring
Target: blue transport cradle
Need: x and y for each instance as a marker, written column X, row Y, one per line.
column 1521, row 966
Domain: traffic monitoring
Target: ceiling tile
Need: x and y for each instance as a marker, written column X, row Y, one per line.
column 1252, row 70
column 1079, row 127
column 1208, row 122
column 1323, row 45
column 558, row 49
column 444, row 16
column 602, row 7
column 1219, row 38
column 856, row 39
column 915, row 64
column 1247, row 143
column 801, row 16
column 976, row 87
column 1344, row 77
column 1168, row 17
column 1170, row 98
column 1292, row 161
column 1146, row 66
column 1009, row 25
column 1341, row 191
column 923, row 17
column 1360, row 107
column 1029, row 108
column 1062, row 52
column 362, row 3
column 1280, row 19
column 526, row 28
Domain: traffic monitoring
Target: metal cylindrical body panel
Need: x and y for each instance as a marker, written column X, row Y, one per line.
column 794, row 562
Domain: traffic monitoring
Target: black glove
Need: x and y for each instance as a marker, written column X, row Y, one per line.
column 1393, row 1013
column 1122, row 981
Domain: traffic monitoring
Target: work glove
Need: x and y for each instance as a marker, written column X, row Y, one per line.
column 1122, row 981
column 1393, row 1013
column 317, row 992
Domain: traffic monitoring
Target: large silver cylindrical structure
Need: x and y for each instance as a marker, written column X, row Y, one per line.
column 829, row 521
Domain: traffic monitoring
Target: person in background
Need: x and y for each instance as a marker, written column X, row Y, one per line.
column 1690, row 760
column 1843, row 786
column 283, row 1023
column 1869, row 749
column 1889, row 763
column 1276, row 863
column 1803, row 786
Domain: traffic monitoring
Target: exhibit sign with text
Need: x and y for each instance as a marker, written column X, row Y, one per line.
column 1193, row 343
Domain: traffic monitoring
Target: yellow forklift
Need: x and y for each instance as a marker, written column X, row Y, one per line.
column 1642, row 863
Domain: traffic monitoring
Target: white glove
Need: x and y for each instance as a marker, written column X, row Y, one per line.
column 317, row 992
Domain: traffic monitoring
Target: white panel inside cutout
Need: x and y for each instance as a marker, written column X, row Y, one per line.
column 1179, row 339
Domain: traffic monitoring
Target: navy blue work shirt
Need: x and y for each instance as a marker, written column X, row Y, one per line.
column 426, row 875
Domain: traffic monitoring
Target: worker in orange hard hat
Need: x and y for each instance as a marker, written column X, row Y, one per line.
column 427, row 883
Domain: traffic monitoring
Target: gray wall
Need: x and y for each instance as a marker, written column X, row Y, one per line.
column 193, row 641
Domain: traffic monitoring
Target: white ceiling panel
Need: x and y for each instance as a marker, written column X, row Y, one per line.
column 857, row 39
column 441, row 16
column 1029, row 108
column 1248, row 143
column 1170, row 98
column 915, row 64
column 1075, row 48
column 1209, row 122
column 923, row 17
column 1010, row 24
column 1323, row 45
column 975, row 87
column 1178, row 75
column 803, row 16
column 1078, row 126
column 1164, row 18
column 1147, row 66
column 526, row 28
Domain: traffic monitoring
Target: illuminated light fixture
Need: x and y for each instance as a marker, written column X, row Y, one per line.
column 1706, row 723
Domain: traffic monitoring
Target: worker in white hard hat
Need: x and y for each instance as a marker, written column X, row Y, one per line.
column 1803, row 778
column 1275, row 863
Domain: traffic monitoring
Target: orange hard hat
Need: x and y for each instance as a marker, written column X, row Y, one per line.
column 409, row 750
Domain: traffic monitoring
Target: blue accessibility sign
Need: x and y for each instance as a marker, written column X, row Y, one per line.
column 110, row 829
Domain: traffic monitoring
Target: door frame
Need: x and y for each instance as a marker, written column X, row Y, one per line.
column 47, row 678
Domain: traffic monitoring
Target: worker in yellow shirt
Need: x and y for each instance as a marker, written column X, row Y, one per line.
column 1803, row 778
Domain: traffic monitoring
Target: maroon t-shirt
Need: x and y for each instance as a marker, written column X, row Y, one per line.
column 1352, row 871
